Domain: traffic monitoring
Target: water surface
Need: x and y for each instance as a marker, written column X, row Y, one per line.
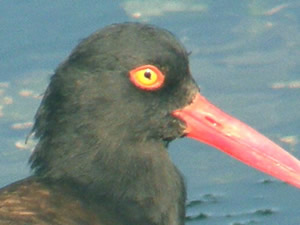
column 244, row 56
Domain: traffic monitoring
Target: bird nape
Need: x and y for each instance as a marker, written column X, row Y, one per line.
column 103, row 126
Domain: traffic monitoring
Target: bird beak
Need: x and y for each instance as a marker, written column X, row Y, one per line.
column 208, row 124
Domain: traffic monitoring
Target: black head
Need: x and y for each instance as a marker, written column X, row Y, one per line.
column 91, row 105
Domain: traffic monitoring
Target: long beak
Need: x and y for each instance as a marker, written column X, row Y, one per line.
column 208, row 124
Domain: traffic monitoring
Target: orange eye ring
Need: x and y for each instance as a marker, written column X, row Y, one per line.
column 147, row 77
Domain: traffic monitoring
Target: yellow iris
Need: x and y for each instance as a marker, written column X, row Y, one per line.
column 146, row 76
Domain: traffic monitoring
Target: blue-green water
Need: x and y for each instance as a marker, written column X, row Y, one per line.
column 245, row 57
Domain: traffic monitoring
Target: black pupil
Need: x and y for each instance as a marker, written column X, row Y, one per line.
column 147, row 74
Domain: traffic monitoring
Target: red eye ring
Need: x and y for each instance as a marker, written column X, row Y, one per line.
column 147, row 77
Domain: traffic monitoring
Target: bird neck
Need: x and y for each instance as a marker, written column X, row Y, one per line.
column 144, row 185
column 137, row 178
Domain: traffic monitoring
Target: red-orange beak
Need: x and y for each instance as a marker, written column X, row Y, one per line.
column 208, row 124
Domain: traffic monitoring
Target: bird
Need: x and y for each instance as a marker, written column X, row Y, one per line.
column 103, row 128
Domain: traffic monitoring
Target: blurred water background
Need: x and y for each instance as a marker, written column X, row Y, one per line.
column 245, row 55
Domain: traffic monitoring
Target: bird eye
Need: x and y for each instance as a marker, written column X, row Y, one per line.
column 147, row 77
